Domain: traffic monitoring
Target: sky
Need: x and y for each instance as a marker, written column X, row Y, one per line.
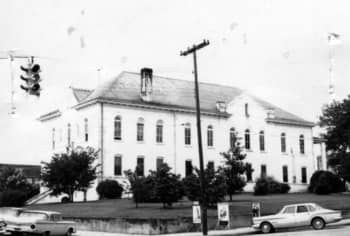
column 276, row 50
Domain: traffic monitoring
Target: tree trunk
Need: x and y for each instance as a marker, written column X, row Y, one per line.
column 230, row 197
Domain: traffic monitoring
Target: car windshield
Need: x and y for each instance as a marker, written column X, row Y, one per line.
column 33, row 215
column 56, row 217
column 287, row 210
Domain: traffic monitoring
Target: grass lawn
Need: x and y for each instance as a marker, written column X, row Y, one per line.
column 241, row 205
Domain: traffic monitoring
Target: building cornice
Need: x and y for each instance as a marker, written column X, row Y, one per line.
column 289, row 122
column 149, row 106
column 50, row 115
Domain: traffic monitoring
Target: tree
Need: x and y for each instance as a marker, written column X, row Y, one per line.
column 234, row 167
column 14, row 187
column 215, row 186
column 70, row 172
column 168, row 187
column 141, row 187
column 336, row 119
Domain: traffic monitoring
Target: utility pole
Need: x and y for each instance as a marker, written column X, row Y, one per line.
column 203, row 204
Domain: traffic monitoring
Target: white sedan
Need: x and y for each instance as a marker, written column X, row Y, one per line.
column 297, row 215
column 39, row 222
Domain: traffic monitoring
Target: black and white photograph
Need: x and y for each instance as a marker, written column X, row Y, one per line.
column 178, row 118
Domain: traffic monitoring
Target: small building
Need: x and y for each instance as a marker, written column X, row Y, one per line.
column 30, row 172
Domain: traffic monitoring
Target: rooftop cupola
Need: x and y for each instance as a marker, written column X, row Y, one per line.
column 146, row 84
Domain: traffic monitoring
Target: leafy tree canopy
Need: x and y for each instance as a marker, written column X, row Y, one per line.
column 71, row 171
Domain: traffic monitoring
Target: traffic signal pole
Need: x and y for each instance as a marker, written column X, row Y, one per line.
column 13, row 107
column 203, row 204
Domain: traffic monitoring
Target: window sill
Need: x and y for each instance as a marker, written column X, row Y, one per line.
column 118, row 140
column 263, row 152
column 210, row 147
column 284, row 153
column 140, row 142
column 248, row 150
column 160, row 144
column 188, row 146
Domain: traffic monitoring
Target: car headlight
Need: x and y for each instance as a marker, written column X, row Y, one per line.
column 2, row 224
column 32, row 226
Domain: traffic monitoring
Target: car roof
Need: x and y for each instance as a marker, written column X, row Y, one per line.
column 298, row 204
column 43, row 212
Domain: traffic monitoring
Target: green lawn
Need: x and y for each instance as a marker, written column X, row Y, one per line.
column 241, row 205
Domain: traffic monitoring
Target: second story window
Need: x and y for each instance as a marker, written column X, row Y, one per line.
column 302, row 144
column 159, row 131
column 262, row 140
column 232, row 137
column 210, row 138
column 283, row 142
column 188, row 134
column 140, row 130
column 86, row 130
column 69, row 134
column 53, row 138
column 117, row 128
column 246, row 110
column 247, row 139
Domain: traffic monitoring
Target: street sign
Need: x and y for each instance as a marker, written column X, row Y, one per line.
column 196, row 209
column 223, row 213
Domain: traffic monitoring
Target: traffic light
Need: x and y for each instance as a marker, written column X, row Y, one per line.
column 32, row 78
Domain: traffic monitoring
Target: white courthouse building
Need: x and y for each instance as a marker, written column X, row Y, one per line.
column 143, row 119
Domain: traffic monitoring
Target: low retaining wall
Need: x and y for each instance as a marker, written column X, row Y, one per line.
column 160, row 226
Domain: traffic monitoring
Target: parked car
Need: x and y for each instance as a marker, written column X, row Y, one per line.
column 297, row 215
column 2, row 227
column 40, row 222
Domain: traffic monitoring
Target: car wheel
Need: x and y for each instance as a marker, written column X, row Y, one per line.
column 318, row 223
column 69, row 232
column 266, row 227
column 47, row 233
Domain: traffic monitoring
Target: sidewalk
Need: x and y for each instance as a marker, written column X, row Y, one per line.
column 232, row 232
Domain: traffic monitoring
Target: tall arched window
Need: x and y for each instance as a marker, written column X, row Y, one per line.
column 159, row 131
column 53, row 138
column 210, row 138
column 68, row 134
column 302, row 144
column 262, row 140
column 140, row 129
column 117, row 128
column 232, row 137
column 86, row 130
column 247, row 139
column 187, row 134
column 283, row 142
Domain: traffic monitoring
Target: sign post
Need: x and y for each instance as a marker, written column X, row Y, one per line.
column 224, row 214
column 256, row 209
column 196, row 209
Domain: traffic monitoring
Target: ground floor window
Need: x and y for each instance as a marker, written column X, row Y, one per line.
column 303, row 175
column 263, row 171
column 159, row 162
column 118, row 165
column 211, row 165
column 188, row 167
column 140, row 167
column 285, row 174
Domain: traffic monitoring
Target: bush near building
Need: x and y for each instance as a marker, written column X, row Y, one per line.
column 159, row 186
column 325, row 182
column 109, row 189
column 215, row 188
column 268, row 185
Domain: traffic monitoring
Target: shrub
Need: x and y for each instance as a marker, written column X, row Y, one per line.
column 13, row 198
column 325, row 182
column 268, row 185
column 216, row 187
column 110, row 189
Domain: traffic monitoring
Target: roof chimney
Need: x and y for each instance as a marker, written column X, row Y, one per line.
column 146, row 84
